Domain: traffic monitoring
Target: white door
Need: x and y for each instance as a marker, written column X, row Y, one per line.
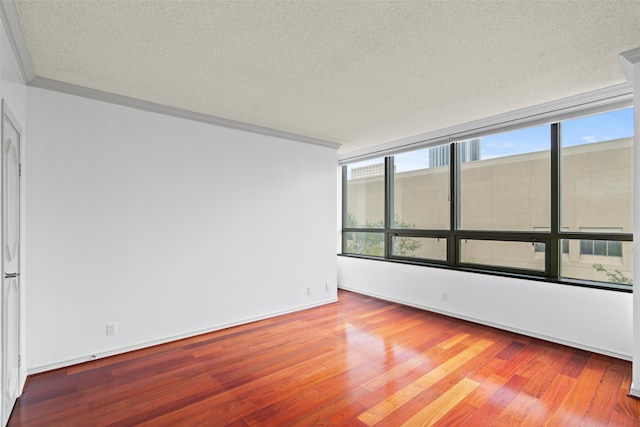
column 10, row 262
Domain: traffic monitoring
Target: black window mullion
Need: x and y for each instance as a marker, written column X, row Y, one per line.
column 388, row 206
column 453, row 245
column 344, row 207
column 552, row 259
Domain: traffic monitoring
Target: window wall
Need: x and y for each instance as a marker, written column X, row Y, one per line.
column 552, row 201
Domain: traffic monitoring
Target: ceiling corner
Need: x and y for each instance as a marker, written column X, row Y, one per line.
column 628, row 59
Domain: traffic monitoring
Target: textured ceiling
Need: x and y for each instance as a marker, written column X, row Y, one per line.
column 358, row 73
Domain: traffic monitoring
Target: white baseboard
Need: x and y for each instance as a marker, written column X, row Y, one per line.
column 493, row 325
column 101, row 355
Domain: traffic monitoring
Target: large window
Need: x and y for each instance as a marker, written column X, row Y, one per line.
column 597, row 172
column 497, row 253
column 421, row 189
column 506, row 187
column 596, row 165
column 551, row 201
column 365, row 206
column 365, row 190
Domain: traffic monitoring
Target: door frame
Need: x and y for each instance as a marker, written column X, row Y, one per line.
column 7, row 115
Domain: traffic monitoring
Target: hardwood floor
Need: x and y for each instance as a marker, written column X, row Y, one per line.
column 359, row 362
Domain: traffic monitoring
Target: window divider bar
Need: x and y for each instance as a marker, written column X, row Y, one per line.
column 344, row 205
column 453, row 248
column 552, row 258
column 620, row 237
column 388, row 206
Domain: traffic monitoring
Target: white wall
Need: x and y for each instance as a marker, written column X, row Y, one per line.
column 166, row 226
column 631, row 61
column 12, row 91
column 593, row 319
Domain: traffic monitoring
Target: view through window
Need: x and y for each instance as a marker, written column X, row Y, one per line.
column 365, row 183
column 495, row 203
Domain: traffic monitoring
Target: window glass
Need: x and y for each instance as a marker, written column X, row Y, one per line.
column 363, row 243
column 505, row 180
column 597, row 173
column 420, row 247
column 614, row 248
column 599, row 260
column 421, row 188
column 601, row 247
column 520, row 255
column 365, row 194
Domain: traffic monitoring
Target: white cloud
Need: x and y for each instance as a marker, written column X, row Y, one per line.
column 500, row 145
column 589, row 139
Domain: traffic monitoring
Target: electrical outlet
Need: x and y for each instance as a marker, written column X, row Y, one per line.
column 309, row 290
column 112, row 328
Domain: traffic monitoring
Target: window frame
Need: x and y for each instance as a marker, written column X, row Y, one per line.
column 552, row 239
column 592, row 244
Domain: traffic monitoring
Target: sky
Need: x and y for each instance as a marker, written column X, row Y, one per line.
column 584, row 130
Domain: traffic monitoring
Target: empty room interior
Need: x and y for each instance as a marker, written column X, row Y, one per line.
column 338, row 213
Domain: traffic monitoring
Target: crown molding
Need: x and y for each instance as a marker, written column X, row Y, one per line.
column 11, row 20
column 112, row 98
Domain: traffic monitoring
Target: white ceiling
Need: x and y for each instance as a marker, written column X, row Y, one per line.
column 359, row 73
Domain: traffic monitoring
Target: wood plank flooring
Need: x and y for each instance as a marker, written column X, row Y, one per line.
column 359, row 362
